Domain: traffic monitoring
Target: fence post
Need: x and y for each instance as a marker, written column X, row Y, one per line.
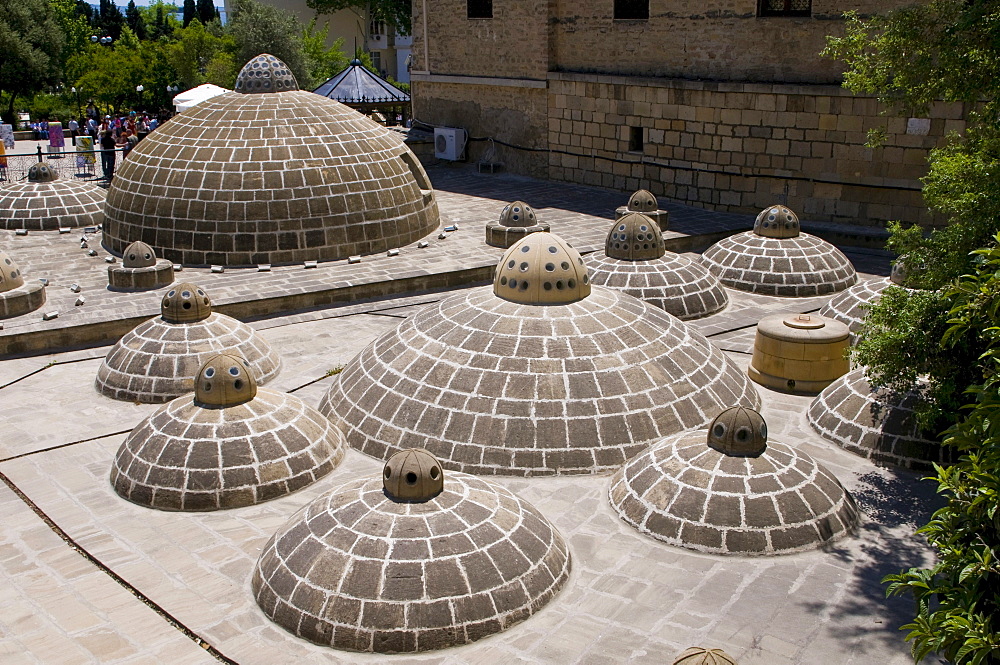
column 39, row 153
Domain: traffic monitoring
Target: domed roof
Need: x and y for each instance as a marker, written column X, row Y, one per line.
column 777, row 221
column 541, row 269
column 798, row 266
column 518, row 214
column 225, row 380
column 635, row 237
column 243, row 179
column 643, row 201
column 42, row 172
column 672, row 282
column 412, row 475
column 159, row 359
column 50, row 203
column 738, row 432
column 138, row 255
column 498, row 387
column 196, row 455
column 359, row 571
column 10, row 273
column 851, row 306
column 265, row 73
column 693, row 495
column 703, row 656
column 879, row 425
column 185, row 303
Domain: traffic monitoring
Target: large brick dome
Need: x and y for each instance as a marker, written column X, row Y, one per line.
column 278, row 177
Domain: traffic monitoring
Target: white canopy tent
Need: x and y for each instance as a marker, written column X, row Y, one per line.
column 189, row 98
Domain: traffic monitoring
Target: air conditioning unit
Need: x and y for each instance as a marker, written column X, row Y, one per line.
column 449, row 143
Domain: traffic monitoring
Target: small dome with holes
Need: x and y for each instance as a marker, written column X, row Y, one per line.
column 228, row 445
column 42, row 172
column 740, row 494
column 10, row 273
column 776, row 222
column 362, row 569
column 635, row 237
column 265, row 73
column 162, row 358
column 643, row 201
column 185, row 303
column 412, row 475
column 542, row 269
column 739, row 432
column 518, row 214
column 138, row 255
column 225, row 380
column 703, row 656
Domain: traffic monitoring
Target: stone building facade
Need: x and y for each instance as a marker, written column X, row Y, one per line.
column 717, row 103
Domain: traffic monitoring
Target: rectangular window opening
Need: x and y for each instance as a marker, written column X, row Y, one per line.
column 636, row 139
column 631, row 10
column 480, row 9
column 784, row 8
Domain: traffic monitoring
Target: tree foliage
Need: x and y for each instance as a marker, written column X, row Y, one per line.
column 394, row 12
column 323, row 61
column 31, row 42
column 258, row 28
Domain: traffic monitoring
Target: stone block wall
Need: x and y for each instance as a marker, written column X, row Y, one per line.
column 742, row 146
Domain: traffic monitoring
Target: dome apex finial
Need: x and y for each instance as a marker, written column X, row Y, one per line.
column 263, row 74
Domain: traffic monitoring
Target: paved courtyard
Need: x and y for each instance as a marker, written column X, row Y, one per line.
column 86, row 577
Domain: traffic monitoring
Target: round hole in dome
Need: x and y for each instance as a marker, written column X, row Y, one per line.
column 524, row 285
column 411, row 478
column 524, row 266
column 580, row 261
column 524, row 250
column 742, row 434
column 200, row 292
column 511, row 264
column 131, row 257
column 208, row 386
column 719, row 430
column 387, row 472
column 166, row 303
column 770, row 218
column 571, row 283
column 645, row 245
column 210, row 372
column 621, row 228
column 238, row 384
column 148, row 256
column 618, row 245
column 643, row 228
column 515, row 217
column 774, row 211
column 550, row 267
column 503, row 281
column 512, row 283
column 171, row 294
column 547, row 286
column 235, row 371
column 763, row 430
column 206, row 300
column 186, row 305
column 185, row 294
column 564, row 265
column 559, row 285
column 586, row 279
column 434, row 472
column 552, row 250
column 517, row 209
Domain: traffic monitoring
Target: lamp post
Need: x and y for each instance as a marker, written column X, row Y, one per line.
column 77, row 93
column 139, row 90
column 106, row 40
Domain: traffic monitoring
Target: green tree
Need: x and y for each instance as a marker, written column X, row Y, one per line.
column 190, row 12
column 135, row 22
column 397, row 13
column 31, row 42
column 206, row 11
column 258, row 28
column 192, row 53
column 110, row 20
column 160, row 19
column 109, row 75
column 323, row 61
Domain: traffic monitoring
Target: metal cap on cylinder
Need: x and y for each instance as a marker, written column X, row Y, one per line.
column 635, row 237
column 738, row 432
column 777, row 221
column 265, row 73
column 703, row 656
column 542, row 269
column 42, row 172
column 10, row 273
column 138, row 255
column 643, row 201
column 412, row 475
column 185, row 303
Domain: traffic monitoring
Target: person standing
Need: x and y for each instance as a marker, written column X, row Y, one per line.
column 74, row 129
column 108, row 155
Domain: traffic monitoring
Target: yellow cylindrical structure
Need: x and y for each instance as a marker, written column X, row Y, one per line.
column 801, row 353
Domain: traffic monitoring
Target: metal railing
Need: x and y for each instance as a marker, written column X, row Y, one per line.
column 70, row 164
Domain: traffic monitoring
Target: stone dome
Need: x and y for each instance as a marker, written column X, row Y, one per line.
column 692, row 495
column 541, row 269
column 42, row 172
column 879, row 425
column 194, row 455
column 518, row 214
column 44, row 201
column 798, row 265
column 412, row 475
column 225, row 380
column 635, row 237
column 738, row 432
column 243, row 179
column 777, row 222
column 492, row 386
column 359, row 571
column 263, row 74
column 851, row 306
column 703, row 656
column 669, row 281
column 643, row 201
column 159, row 359
column 138, row 255
column 17, row 297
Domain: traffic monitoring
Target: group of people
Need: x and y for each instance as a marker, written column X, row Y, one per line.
column 115, row 132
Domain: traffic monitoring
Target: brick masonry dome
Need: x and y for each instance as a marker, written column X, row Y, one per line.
column 264, row 74
column 691, row 495
column 46, row 202
column 541, row 269
column 244, row 179
column 138, row 255
column 777, row 222
column 643, row 201
column 226, row 446
column 635, row 237
column 10, row 273
column 358, row 571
